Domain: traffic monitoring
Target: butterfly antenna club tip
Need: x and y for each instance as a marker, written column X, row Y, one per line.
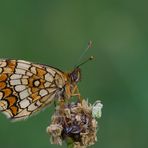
column 91, row 57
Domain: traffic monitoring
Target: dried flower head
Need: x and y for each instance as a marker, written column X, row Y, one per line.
column 74, row 121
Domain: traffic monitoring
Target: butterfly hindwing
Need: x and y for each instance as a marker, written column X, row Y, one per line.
column 26, row 88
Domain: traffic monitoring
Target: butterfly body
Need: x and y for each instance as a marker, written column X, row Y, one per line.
column 26, row 88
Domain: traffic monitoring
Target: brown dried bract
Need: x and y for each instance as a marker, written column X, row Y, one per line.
column 74, row 121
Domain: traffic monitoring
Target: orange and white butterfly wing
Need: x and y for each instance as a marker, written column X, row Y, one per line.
column 26, row 88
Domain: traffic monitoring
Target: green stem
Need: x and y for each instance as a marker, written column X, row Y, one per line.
column 69, row 142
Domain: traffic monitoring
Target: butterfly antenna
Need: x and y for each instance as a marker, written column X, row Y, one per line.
column 89, row 59
column 82, row 55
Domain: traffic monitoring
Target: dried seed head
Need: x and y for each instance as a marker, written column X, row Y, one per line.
column 74, row 121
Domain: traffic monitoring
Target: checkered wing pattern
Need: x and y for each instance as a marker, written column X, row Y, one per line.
column 26, row 88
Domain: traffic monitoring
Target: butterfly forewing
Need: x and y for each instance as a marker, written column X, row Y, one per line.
column 26, row 88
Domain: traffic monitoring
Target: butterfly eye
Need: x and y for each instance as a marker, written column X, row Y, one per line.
column 75, row 75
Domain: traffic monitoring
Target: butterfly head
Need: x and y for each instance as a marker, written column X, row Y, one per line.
column 75, row 75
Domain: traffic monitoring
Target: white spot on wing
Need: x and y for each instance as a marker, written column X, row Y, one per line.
column 23, row 66
column 30, row 99
column 43, row 92
column 33, row 70
column 37, row 83
column 25, row 77
column 36, row 65
column 22, row 61
column 15, row 76
column 25, row 93
column 15, row 82
column 20, row 71
column 24, row 81
column 47, row 84
column 20, row 88
column 49, row 77
column 51, row 71
column 24, row 103
column 32, row 107
column 38, row 103
column 29, row 73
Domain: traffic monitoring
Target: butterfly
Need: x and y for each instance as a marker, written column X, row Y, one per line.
column 26, row 87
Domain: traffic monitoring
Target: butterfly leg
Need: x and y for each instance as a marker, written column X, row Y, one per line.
column 76, row 92
column 72, row 92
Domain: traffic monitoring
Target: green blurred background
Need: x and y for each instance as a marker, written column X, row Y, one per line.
column 56, row 33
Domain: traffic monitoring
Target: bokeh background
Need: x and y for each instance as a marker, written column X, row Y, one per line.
column 56, row 33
